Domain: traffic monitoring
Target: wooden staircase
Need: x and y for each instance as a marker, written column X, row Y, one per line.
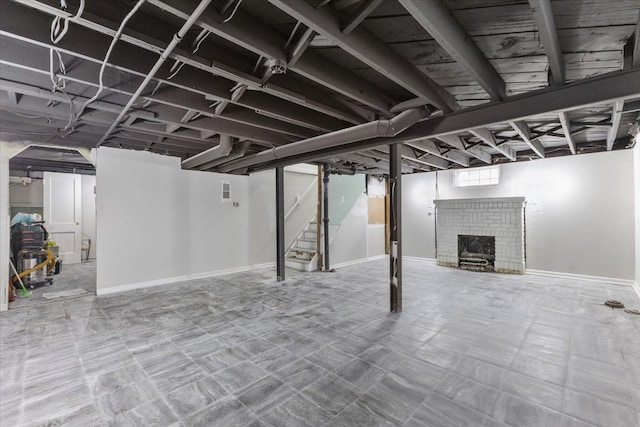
column 302, row 254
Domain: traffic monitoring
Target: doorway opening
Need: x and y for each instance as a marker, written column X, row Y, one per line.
column 52, row 191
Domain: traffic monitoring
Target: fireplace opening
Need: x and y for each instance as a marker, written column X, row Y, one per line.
column 477, row 253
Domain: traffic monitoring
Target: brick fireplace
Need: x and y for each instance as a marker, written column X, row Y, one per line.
column 501, row 218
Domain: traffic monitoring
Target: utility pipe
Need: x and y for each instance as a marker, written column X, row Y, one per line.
column 177, row 38
column 325, row 215
column 375, row 129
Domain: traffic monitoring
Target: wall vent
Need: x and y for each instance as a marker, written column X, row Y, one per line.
column 225, row 194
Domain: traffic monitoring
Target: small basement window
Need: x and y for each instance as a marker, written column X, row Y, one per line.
column 226, row 191
column 489, row 175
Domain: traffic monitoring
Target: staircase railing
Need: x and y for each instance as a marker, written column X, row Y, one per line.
column 299, row 198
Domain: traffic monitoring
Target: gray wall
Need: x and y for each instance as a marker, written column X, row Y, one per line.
column 89, row 212
column 636, row 157
column 579, row 212
column 344, row 190
column 419, row 226
column 30, row 195
column 156, row 222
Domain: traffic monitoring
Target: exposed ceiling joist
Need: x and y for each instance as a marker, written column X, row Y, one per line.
column 480, row 154
column 543, row 15
column 301, row 45
column 616, row 115
column 488, row 138
column 523, row 130
column 368, row 49
column 430, row 160
column 250, row 33
column 566, row 128
column 31, row 31
column 364, row 10
column 168, row 117
column 431, row 148
column 580, row 94
column 636, row 46
column 436, row 18
column 456, row 142
column 191, row 85
column 453, row 140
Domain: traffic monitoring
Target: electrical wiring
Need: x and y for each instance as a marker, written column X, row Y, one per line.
column 115, row 39
column 56, row 86
column 175, row 69
column 235, row 9
column 201, row 37
column 58, row 31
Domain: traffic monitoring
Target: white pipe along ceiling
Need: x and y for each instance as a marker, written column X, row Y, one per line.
column 237, row 86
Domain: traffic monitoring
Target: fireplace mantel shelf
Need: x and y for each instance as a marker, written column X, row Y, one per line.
column 483, row 200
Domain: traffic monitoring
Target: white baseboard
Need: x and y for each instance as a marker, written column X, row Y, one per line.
column 636, row 287
column 176, row 279
column 431, row 261
column 358, row 261
column 585, row 277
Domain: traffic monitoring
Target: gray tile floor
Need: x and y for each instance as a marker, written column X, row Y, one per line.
column 321, row 349
column 71, row 277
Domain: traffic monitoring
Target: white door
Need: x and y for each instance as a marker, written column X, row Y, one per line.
column 62, row 213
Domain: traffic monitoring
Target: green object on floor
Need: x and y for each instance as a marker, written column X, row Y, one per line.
column 25, row 293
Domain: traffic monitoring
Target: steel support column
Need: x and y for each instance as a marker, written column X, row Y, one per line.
column 280, row 223
column 395, row 258
column 325, row 216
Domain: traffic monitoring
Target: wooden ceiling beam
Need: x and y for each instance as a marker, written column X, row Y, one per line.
column 360, row 14
column 616, row 115
column 436, row 18
column 543, row 15
column 566, row 128
column 486, row 136
column 523, row 130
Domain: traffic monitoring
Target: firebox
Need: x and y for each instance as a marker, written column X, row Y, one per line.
column 476, row 253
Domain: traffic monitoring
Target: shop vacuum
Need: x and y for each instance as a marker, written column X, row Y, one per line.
column 34, row 263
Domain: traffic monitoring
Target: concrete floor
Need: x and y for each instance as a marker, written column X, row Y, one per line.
column 322, row 349
column 72, row 276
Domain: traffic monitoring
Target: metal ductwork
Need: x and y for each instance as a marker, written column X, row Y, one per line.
column 375, row 129
column 223, row 149
column 238, row 151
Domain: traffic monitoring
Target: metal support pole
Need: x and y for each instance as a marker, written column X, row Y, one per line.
column 319, row 258
column 395, row 257
column 280, row 223
column 325, row 219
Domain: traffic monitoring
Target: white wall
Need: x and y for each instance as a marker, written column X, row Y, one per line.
column 156, row 222
column 350, row 240
column 262, row 213
column 6, row 150
column 29, row 195
column 419, row 221
column 88, row 211
column 636, row 158
column 579, row 212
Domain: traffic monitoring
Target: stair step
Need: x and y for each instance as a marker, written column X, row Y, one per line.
column 302, row 239
column 298, row 260
column 296, row 249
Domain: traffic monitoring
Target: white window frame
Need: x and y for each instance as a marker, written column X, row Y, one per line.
column 477, row 177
